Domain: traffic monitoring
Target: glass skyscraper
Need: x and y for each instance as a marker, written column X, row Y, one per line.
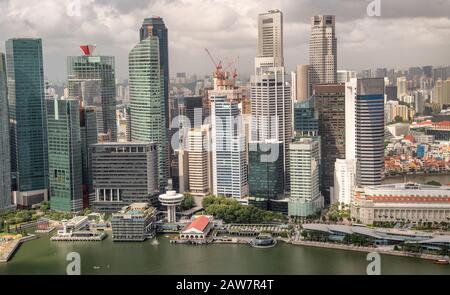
column 92, row 79
column 5, row 162
column 26, row 95
column 147, row 105
column 64, row 155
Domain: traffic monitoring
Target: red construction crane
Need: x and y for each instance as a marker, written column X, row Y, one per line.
column 218, row 73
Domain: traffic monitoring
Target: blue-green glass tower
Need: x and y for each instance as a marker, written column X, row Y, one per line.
column 64, row 155
column 27, row 116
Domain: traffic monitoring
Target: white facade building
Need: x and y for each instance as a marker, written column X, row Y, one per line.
column 344, row 181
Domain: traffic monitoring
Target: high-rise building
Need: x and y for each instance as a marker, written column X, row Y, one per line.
column 344, row 181
column 329, row 103
column 91, row 78
column 300, row 83
column 147, row 102
column 123, row 173
column 64, row 155
column 5, row 152
column 306, row 119
column 402, row 87
column 344, row 76
column 305, row 198
column 270, row 93
column 26, row 97
column 364, row 128
column 229, row 147
column 265, row 172
column 88, row 132
column 441, row 93
column 322, row 50
column 200, row 160
column 270, row 38
column 155, row 27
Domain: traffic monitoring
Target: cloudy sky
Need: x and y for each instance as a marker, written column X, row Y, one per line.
column 407, row 33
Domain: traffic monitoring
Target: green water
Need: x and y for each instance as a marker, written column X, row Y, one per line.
column 42, row 256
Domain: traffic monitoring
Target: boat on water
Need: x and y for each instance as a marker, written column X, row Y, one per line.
column 263, row 241
column 444, row 261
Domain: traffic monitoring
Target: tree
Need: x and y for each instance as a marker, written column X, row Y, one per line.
column 434, row 182
column 188, row 202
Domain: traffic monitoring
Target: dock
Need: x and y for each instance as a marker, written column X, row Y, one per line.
column 15, row 245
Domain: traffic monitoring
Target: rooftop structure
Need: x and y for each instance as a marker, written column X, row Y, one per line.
column 171, row 200
column 133, row 222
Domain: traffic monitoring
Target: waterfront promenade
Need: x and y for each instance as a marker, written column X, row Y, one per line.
column 10, row 247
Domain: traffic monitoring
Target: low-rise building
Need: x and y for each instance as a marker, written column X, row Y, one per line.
column 133, row 223
column 404, row 202
column 198, row 229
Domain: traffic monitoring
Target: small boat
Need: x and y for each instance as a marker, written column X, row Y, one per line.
column 442, row 261
column 96, row 267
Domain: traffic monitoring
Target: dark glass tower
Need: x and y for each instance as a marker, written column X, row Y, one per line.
column 26, row 95
column 154, row 26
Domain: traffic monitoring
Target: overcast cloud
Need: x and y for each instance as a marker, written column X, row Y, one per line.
column 408, row 32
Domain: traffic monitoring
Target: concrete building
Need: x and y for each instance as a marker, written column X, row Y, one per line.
column 364, row 128
column 92, row 79
column 147, row 102
column 402, row 87
column 134, row 223
column 305, row 198
column 323, row 50
column 441, row 92
column 344, row 181
column 403, row 202
column 123, row 173
column 88, row 132
column 5, row 152
column 200, row 161
column 270, row 38
column 265, row 173
column 329, row 103
column 64, row 155
column 300, row 83
column 344, row 76
column 26, row 98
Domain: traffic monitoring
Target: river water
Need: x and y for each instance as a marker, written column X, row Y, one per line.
column 41, row 256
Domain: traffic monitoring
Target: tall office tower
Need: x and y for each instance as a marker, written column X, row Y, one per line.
column 270, row 93
column 124, row 173
column 191, row 110
column 5, row 151
column 265, row 172
column 344, row 76
column 329, row 103
column 229, row 148
column 381, row 73
column 364, row 128
column 88, row 131
column 64, row 155
column 402, row 87
column 305, row 198
column 391, row 92
column 200, row 160
column 270, row 38
column 26, row 97
column 300, row 83
column 344, row 181
column 322, row 50
column 147, row 104
column 92, row 79
column 155, row 27
column 306, row 119
column 419, row 101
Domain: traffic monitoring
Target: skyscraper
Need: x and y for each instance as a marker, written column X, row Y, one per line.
column 147, row 102
column 344, row 181
column 270, row 38
column 29, row 163
column 305, row 198
column 92, row 79
column 229, row 148
column 265, row 172
column 329, row 103
column 270, row 93
column 364, row 128
column 88, row 131
column 64, row 155
column 300, row 83
column 200, row 161
column 323, row 50
column 5, row 163
column 155, row 27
